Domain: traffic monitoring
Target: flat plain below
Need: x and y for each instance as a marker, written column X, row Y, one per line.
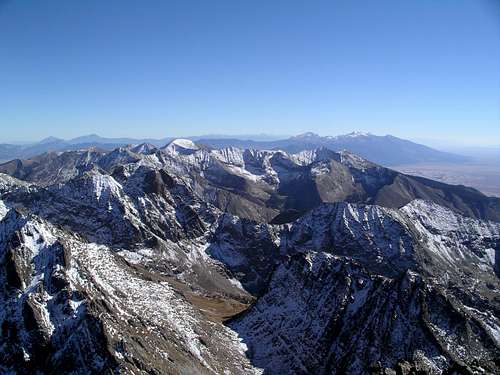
column 482, row 175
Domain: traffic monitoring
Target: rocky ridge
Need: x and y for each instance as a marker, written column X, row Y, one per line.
column 173, row 261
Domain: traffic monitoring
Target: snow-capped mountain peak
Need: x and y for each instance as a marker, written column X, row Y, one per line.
column 355, row 134
column 181, row 146
column 191, row 259
column 184, row 143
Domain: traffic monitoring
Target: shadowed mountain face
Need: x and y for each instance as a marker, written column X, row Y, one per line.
column 268, row 186
column 189, row 260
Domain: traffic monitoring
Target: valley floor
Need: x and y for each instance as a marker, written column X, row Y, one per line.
column 482, row 175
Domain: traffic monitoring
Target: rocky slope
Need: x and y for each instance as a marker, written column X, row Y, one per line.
column 367, row 289
column 185, row 260
column 268, row 186
column 70, row 306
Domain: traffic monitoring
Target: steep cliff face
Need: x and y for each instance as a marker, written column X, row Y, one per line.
column 76, row 307
column 137, row 261
column 367, row 288
column 45, row 322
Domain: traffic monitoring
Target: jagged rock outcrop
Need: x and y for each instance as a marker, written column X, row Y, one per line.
column 367, row 288
column 69, row 306
column 258, row 184
column 188, row 260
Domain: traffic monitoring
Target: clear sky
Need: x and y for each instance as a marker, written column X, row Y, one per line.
column 427, row 69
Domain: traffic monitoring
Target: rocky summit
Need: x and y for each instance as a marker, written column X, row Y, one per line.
column 191, row 260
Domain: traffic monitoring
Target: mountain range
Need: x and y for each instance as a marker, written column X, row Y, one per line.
column 194, row 259
column 385, row 150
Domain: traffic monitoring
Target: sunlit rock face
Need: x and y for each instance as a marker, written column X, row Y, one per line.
column 188, row 260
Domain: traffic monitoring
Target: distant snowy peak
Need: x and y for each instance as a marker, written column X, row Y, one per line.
column 356, row 134
column 182, row 146
column 350, row 136
column 184, row 143
column 311, row 135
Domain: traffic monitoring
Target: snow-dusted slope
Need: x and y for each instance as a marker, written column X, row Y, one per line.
column 363, row 291
column 181, row 146
column 79, row 307
column 262, row 185
column 165, row 261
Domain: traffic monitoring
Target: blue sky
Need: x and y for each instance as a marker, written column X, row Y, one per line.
column 427, row 69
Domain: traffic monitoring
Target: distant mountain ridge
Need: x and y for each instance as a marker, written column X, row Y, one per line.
column 187, row 259
column 51, row 144
column 385, row 150
column 264, row 185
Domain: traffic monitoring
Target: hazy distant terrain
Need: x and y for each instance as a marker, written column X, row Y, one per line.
column 475, row 167
column 482, row 175
column 384, row 150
